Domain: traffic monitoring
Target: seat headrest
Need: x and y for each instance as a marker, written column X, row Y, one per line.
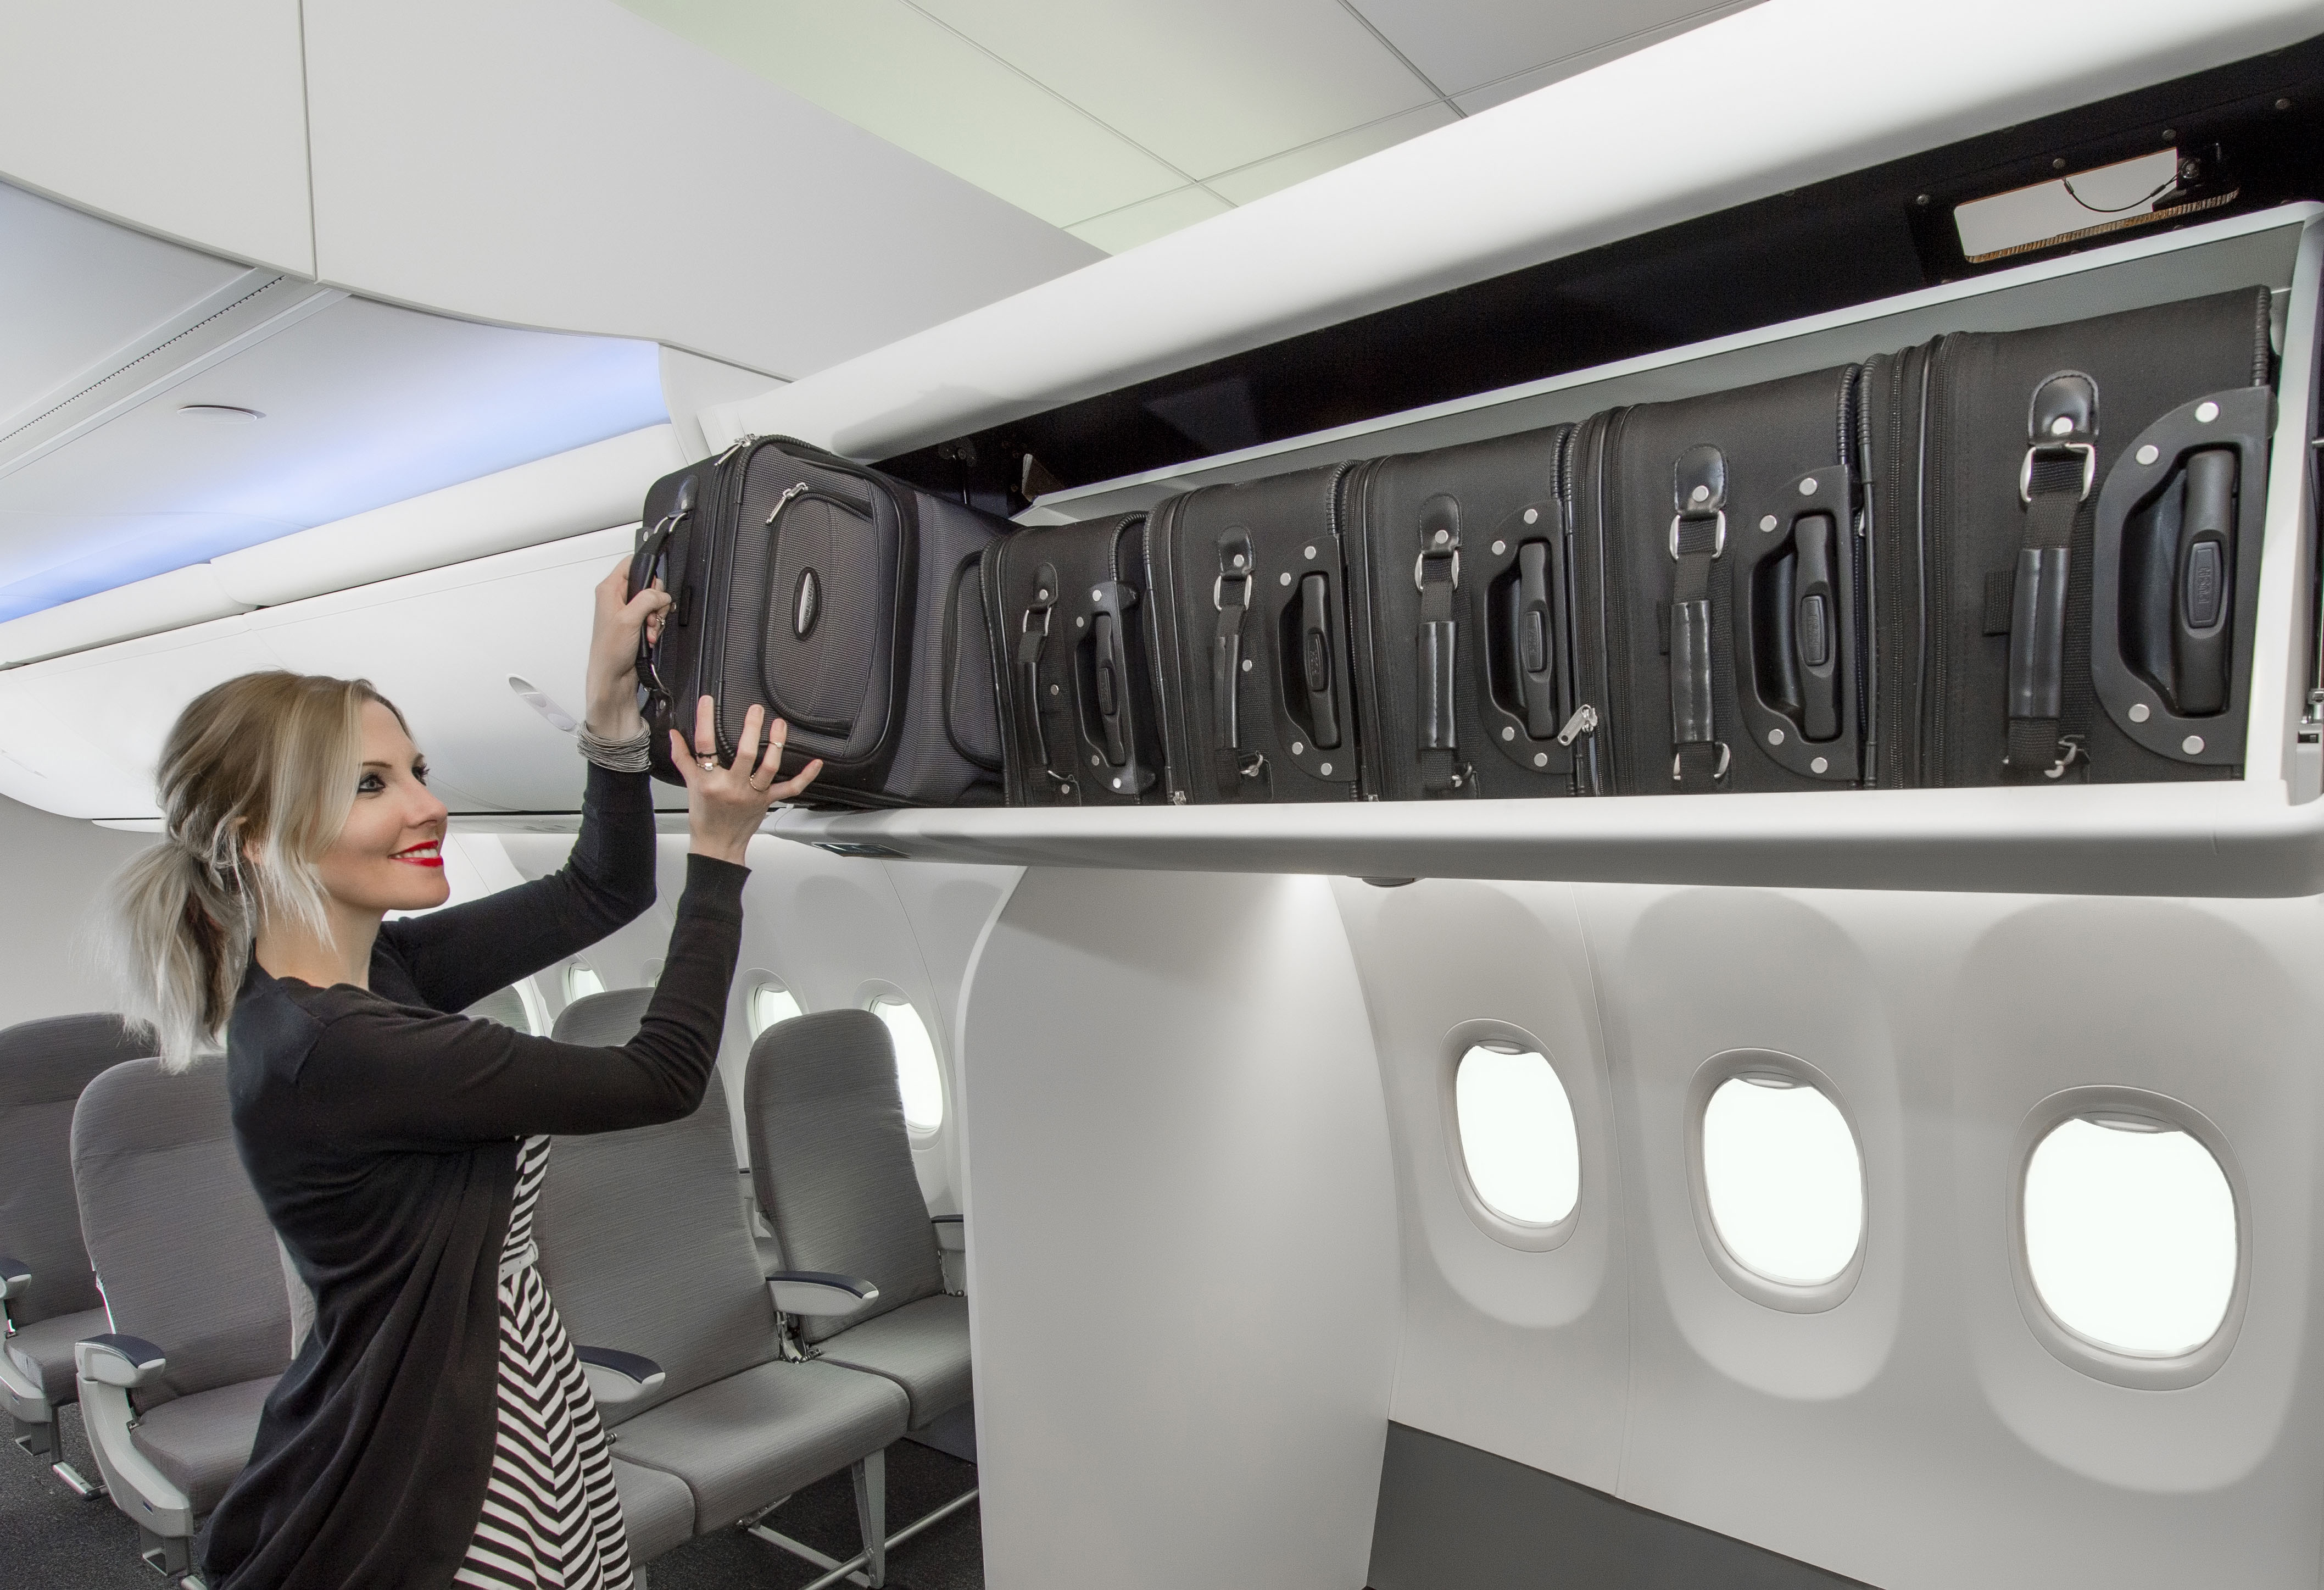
column 602, row 1020
column 137, row 1108
column 50, row 1061
column 818, row 1054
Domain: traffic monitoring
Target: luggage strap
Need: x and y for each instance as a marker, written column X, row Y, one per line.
column 1437, row 572
column 1231, row 594
column 2053, row 483
column 1032, row 640
column 1698, row 536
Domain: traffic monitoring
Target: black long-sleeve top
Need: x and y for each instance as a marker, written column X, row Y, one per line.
column 382, row 1136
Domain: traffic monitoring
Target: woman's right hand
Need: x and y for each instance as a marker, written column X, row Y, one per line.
column 726, row 805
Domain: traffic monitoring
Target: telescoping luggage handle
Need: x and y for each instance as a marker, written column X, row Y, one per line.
column 1230, row 595
column 2061, row 466
column 1437, row 572
column 1698, row 536
column 1032, row 640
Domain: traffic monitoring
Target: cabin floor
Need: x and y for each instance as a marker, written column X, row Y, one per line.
column 53, row 1539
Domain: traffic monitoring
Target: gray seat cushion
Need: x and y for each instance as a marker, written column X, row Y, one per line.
column 188, row 1261
column 43, row 1067
column 44, row 1352
column 657, row 1510
column 922, row 1346
column 831, row 1159
column 201, row 1442
column 749, row 1439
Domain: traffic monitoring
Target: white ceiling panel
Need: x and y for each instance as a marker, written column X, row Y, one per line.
column 566, row 162
column 79, row 290
column 1256, row 181
column 190, row 118
column 1479, row 42
column 893, row 71
column 1207, row 85
column 364, row 405
column 1126, row 228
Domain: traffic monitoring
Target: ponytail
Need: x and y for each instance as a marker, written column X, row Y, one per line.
column 256, row 781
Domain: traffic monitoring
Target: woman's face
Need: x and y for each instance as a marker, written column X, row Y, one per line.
column 391, row 855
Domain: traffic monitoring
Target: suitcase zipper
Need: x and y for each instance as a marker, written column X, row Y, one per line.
column 1928, row 522
column 1583, row 719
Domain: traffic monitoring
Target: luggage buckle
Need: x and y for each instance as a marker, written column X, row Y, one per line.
column 1718, row 771
column 2090, row 452
column 1027, row 627
column 1421, row 562
column 1718, row 538
column 1243, row 593
column 2070, row 751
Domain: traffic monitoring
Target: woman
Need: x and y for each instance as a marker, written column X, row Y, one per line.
column 435, row 1426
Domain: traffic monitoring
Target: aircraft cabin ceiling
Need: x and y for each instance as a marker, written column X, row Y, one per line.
column 160, row 407
column 1122, row 120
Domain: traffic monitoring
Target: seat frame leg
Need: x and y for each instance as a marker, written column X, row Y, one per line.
column 39, row 1438
column 870, row 1476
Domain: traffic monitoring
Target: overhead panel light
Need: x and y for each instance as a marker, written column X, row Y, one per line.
column 2104, row 199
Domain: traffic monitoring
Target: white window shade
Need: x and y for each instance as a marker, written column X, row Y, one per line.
column 1783, row 1179
column 1517, row 1141
column 772, row 1003
column 918, row 1075
column 2130, row 1234
column 581, row 981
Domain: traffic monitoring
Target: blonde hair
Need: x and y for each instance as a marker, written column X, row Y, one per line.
column 256, row 781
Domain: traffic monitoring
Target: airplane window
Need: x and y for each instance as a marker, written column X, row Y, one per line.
column 770, row 1003
column 581, row 981
column 917, row 1075
column 1518, row 1142
column 1783, row 1179
column 2130, row 1234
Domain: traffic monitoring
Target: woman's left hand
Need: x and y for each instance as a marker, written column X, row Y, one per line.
column 612, row 688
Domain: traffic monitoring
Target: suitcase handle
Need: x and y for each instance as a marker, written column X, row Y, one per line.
column 1230, row 595
column 2202, row 596
column 645, row 567
column 1031, row 641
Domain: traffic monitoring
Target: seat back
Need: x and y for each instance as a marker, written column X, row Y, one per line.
column 43, row 1067
column 602, row 1020
column 643, row 1245
column 831, row 1161
column 183, row 1252
column 504, row 1006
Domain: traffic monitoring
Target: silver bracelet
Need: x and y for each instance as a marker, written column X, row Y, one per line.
column 632, row 755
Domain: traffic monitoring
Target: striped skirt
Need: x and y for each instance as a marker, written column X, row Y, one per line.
column 552, row 1516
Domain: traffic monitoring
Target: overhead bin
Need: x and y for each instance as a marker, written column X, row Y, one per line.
column 2190, row 552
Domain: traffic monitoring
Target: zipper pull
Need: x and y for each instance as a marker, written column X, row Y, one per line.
column 1584, row 721
column 738, row 447
column 783, row 502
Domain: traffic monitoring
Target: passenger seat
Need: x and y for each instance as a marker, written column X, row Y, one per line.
column 832, row 1165
column 47, row 1295
column 643, row 1243
column 194, row 1296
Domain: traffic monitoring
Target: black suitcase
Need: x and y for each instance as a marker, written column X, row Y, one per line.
column 1250, row 641
column 847, row 603
column 1717, row 583
column 1458, row 580
column 2075, row 511
column 1066, row 614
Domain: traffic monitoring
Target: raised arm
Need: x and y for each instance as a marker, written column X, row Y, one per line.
column 396, row 1080
column 389, row 1079
column 458, row 956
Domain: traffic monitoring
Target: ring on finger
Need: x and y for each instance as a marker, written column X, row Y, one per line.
column 708, row 765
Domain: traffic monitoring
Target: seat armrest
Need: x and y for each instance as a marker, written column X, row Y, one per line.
column 952, row 1233
column 127, row 1362
column 820, row 1294
column 618, row 1377
column 15, row 1277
